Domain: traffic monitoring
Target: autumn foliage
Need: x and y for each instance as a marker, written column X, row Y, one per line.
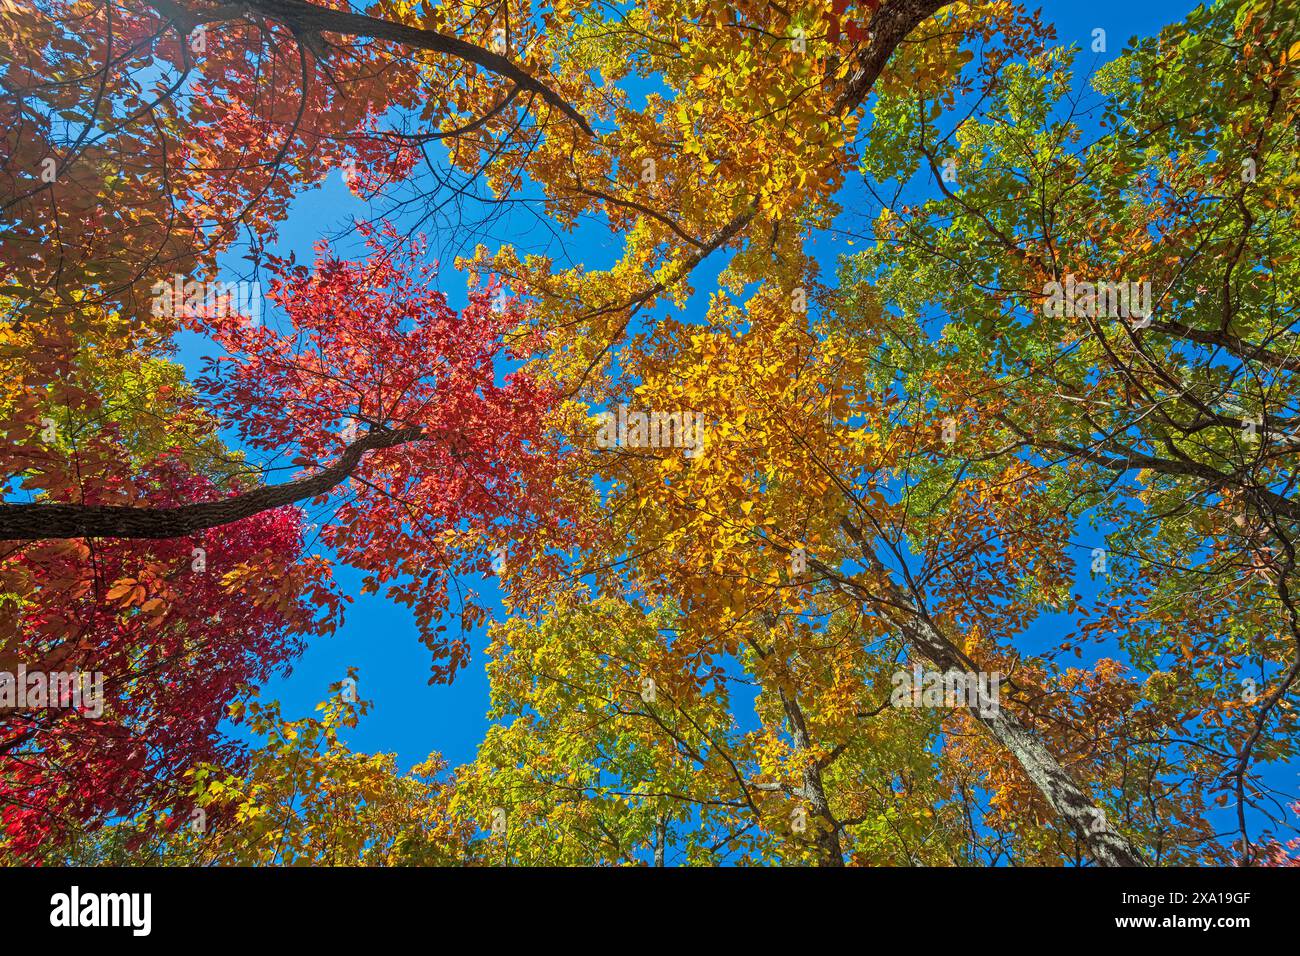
column 840, row 239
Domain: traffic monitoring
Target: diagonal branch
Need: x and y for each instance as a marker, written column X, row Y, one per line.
column 32, row 522
column 308, row 18
column 1108, row 847
column 889, row 26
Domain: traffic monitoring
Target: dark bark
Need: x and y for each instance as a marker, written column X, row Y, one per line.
column 889, row 27
column 31, row 522
column 308, row 19
column 1130, row 459
column 1242, row 349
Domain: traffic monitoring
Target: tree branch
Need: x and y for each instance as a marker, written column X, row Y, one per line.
column 33, row 522
column 308, row 18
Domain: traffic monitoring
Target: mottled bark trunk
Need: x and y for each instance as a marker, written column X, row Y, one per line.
column 1104, row 845
column 889, row 26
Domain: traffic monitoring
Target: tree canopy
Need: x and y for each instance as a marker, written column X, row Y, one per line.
column 913, row 483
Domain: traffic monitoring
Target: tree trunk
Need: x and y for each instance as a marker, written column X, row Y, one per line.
column 829, row 850
column 307, row 19
column 1104, row 845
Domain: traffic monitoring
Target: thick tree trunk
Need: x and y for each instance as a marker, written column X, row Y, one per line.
column 889, row 26
column 1104, row 845
column 830, row 852
column 31, row 522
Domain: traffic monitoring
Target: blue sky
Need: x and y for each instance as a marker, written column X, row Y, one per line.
column 412, row 718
